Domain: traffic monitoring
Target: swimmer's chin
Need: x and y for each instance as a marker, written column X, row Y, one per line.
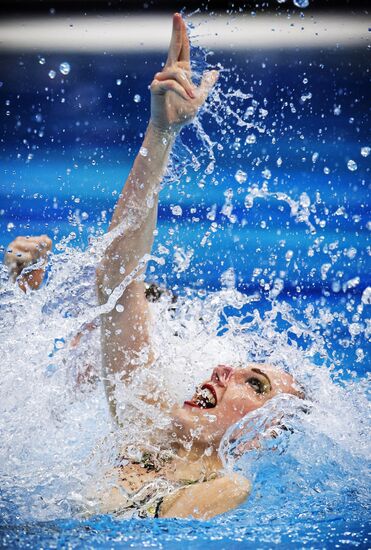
column 195, row 425
column 188, row 415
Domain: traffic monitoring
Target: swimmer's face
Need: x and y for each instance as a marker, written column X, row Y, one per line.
column 227, row 397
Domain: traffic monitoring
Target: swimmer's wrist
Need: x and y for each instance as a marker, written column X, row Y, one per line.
column 165, row 135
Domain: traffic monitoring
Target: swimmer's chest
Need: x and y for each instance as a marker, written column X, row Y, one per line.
column 133, row 477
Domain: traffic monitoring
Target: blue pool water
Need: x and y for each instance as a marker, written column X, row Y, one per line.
column 68, row 144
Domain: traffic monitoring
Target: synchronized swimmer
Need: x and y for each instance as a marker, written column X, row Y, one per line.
column 196, row 485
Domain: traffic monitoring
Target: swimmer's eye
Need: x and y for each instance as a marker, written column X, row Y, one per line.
column 257, row 385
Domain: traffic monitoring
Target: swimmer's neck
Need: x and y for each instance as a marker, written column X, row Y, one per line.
column 195, row 454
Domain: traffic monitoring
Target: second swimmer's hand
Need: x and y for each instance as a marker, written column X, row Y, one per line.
column 175, row 100
column 22, row 253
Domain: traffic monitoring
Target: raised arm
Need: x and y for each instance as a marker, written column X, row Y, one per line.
column 126, row 328
column 206, row 500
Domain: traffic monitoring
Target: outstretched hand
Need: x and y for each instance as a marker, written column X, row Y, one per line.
column 175, row 100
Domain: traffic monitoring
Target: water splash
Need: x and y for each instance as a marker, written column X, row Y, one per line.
column 53, row 390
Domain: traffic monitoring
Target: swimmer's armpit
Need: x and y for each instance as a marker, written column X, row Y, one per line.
column 208, row 499
column 154, row 293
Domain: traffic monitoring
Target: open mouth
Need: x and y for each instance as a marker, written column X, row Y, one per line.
column 204, row 398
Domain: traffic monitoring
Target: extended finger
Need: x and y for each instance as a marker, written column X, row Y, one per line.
column 186, row 49
column 181, row 77
column 208, row 81
column 161, row 87
column 176, row 40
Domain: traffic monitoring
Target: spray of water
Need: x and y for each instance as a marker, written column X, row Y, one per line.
column 56, row 433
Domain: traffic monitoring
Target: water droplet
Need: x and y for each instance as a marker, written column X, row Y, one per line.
column 304, row 200
column 305, row 97
column 365, row 151
column 289, row 254
column 162, row 249
column 109, row 95
column 366, row 296
column 305, row 81
column 240, row 176
column 352, row 283
column 355, row 329
column 42, row 60
column 10, row 226
column 59, row 344
column 279, row 162
column 210, row 168
column 237, row 144
column 249, row 202
column 118, row 81
column 351, row 252
column 266, row 173
column 352, row 165
column 52, row 74
column 137, row 98
column 143, row 151
column 251, row 138
column 278, row 286
column 301, row 3
column 315, row 157
column 119, row 308
column 336, row 286
column 324, row 270
column 64, row 68
column 337, row 110
column 176, row 210
column 326, row 170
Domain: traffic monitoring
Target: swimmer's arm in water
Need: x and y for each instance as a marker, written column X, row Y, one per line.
column 174, row 103
column 26, row 259
column 206, row 500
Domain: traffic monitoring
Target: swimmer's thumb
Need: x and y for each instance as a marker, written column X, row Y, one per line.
column 208, row 81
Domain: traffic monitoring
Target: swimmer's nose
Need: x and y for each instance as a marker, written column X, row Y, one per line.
column 222, row 374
